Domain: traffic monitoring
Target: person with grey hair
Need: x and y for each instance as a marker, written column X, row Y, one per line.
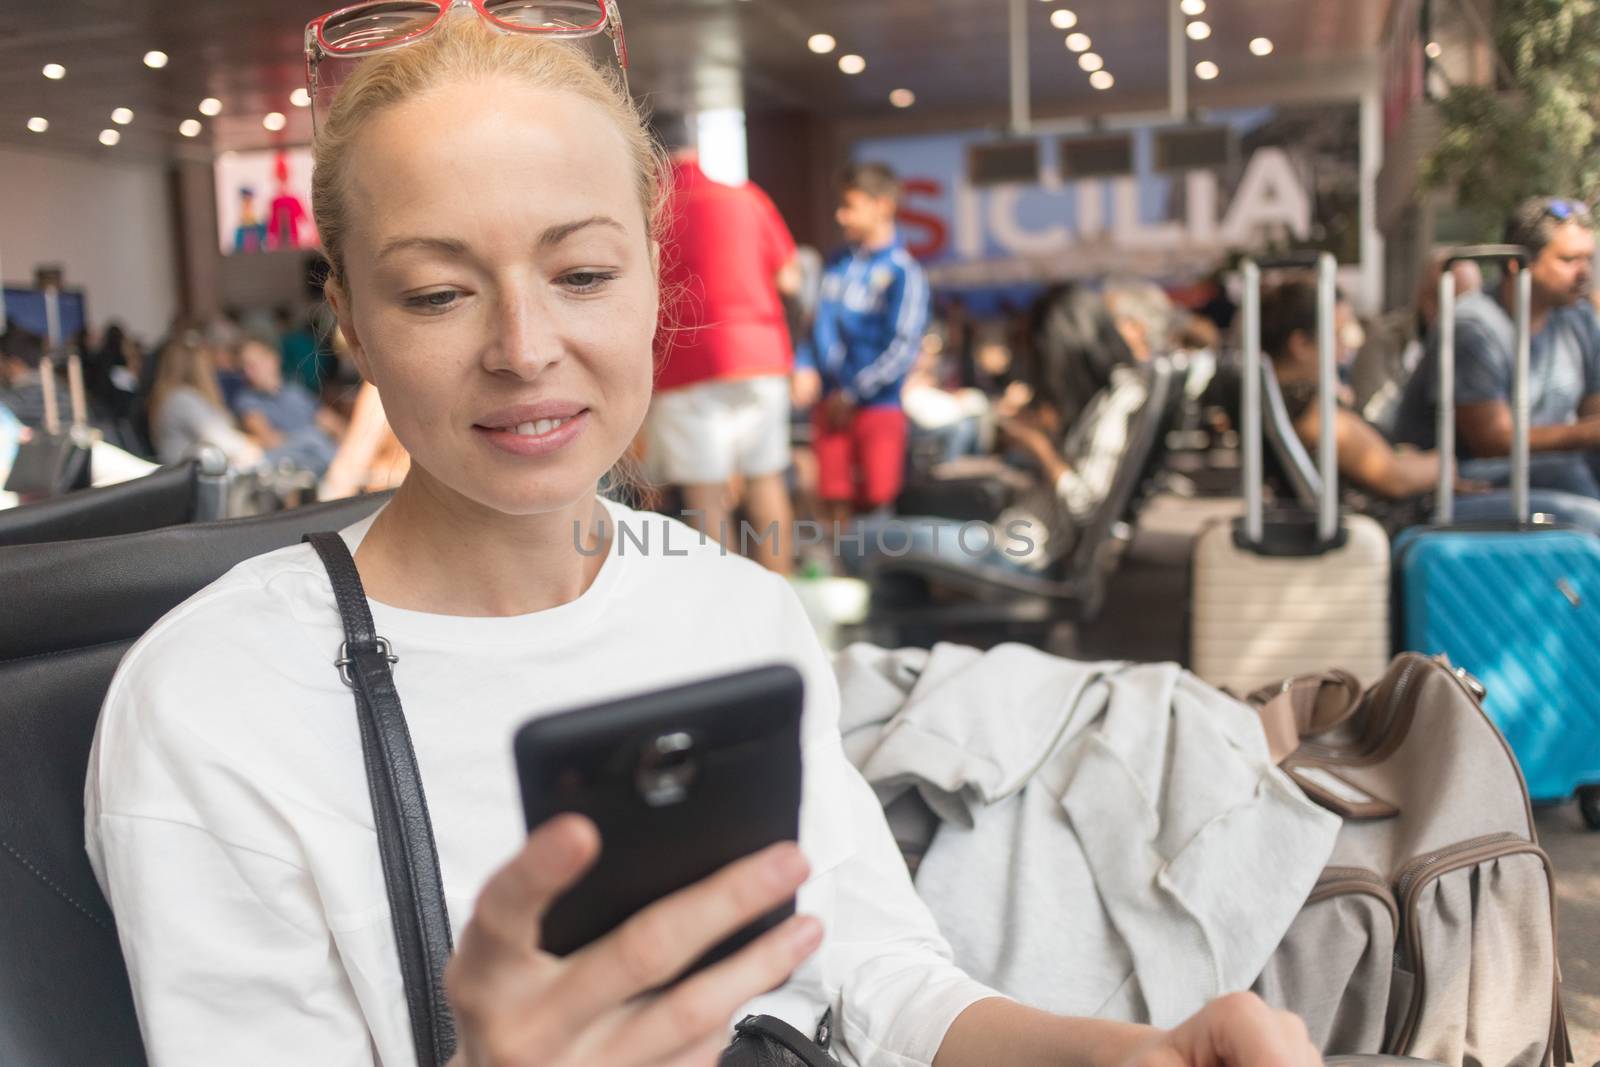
column 1564, row 381
column 1143, row 313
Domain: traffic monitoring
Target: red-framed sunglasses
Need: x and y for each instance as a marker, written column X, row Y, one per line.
column 376, row 25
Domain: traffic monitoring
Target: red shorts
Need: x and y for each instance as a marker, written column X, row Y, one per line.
column 865, row 463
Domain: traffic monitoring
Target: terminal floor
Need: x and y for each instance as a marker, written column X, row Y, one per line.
column 1138, row 624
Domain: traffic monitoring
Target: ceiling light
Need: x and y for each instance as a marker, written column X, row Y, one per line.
column 1090, row 61
column 189, row 127
column 821, row 43
column 852, row 64
column 109, row 137
column 38, row 125
column 902, row 98
column 1063, row 19
column 1198, row 31
column 1078, row 42
column 1206, row 70
column 122, row 116
column 1434, row 50
column 155, row 59
column 274, row 121
column 1261, row 46
column 1102, row 79
column 300, row 98
column 211, row 106
column 1193, row 7
column 54, row 71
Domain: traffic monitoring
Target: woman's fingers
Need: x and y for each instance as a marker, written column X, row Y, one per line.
column 505, row 923
column 654, row 946
column 704, row 1004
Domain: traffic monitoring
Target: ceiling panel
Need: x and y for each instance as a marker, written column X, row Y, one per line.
column 953, row 54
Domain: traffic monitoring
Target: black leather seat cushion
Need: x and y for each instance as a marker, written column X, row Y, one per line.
column 164, row 497
column 71, row 609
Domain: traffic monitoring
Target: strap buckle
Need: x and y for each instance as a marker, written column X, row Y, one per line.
column 345, row 660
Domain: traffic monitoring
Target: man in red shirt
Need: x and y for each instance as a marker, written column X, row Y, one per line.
column 719, row 422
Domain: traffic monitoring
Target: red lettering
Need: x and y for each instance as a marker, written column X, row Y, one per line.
column 934, row 234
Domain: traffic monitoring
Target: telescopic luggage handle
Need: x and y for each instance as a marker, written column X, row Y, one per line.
column 1326, row 268
column 1521, row 460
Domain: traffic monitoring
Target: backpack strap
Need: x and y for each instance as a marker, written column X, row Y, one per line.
column 400, row 810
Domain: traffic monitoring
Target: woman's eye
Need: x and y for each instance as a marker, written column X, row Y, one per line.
column 587, row 281
column 439, row 300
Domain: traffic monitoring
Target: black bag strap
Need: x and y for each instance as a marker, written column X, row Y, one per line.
column 773, row 1029
column 399, row 808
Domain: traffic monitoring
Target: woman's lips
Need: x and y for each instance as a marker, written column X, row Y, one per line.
column 536, row 437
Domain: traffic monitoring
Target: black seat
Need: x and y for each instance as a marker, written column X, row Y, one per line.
column 193, row 491
column 990, row 598
column 72, row 608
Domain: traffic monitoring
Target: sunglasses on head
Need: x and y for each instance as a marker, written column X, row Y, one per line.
column 1562, row 210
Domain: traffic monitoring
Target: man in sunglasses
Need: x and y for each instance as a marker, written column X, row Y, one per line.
column 1564, row 374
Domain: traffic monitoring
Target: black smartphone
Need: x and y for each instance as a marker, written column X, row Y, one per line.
column 681, row 782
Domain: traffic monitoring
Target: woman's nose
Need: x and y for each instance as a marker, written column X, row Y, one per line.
column 525, row 339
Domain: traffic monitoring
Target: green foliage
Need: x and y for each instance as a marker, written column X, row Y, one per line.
column 1538, row 136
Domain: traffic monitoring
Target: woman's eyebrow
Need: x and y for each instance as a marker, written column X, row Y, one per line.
column 443, row 245
column 556, row 234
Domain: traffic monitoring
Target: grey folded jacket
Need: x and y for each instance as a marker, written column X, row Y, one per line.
column 1115, row 839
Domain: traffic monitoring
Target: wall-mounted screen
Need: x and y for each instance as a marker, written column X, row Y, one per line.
column 264, row 201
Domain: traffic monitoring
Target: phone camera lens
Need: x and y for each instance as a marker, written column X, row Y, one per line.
column 668, row 765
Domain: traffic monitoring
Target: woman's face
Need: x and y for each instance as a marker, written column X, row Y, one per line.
column 500, row 290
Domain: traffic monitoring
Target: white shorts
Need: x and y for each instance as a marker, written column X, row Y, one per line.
column 704, row 434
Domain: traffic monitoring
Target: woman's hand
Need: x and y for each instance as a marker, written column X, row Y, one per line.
column 517, row 1006
column 1234, row 1031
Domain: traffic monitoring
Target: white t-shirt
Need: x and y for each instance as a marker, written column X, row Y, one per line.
column 228, row 819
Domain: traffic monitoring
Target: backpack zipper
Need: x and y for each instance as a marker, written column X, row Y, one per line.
column 1338, row 881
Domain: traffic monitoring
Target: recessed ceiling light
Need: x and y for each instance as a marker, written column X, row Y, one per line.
column 109, row 137
column 211, row 106
column 300, row 98
column 1206, row 70
column 1102, row 79
column 274, row 121
column 821, row 43
column 54, row 71
column 1193, row 7
column 189, row 127
column 1078, row 42
column 38, row 124
column 155, row 59
column 1261, row 46
column 122, row 116
column 1090, row 61
column 902, row 98
column 852, row 64
column 1434, row 50
column 1198, row 31
column 1064, row 19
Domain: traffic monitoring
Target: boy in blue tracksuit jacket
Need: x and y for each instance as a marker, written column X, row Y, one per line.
column 870, row 319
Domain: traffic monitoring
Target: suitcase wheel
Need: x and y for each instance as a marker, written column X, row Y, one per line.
column 1589, row 805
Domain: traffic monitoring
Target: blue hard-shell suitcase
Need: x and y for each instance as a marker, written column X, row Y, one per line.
column 1520, row 611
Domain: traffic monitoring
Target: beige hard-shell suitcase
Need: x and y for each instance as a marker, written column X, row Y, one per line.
column 1290, row 592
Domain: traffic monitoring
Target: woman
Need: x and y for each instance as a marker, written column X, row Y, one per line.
column 186, row 408
column 488, row 201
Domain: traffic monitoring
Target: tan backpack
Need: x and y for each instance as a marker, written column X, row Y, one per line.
column 1432, row 932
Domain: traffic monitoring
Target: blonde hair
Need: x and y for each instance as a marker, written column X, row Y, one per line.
column 465, row 48
column 185, row 361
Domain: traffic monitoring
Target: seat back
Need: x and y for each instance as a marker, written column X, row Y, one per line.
column 168, row 496
column 72, row 608
column 1286, row 455
column 1137, row 467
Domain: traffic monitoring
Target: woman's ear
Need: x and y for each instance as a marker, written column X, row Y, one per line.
column 333, row 290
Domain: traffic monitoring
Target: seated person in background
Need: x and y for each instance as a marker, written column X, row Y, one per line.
column 370, row 458
column 1564, row 382
column 282, row 416
column 1366, row 459
column 943, row 423
column 1061, row 473
column 186, row 408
